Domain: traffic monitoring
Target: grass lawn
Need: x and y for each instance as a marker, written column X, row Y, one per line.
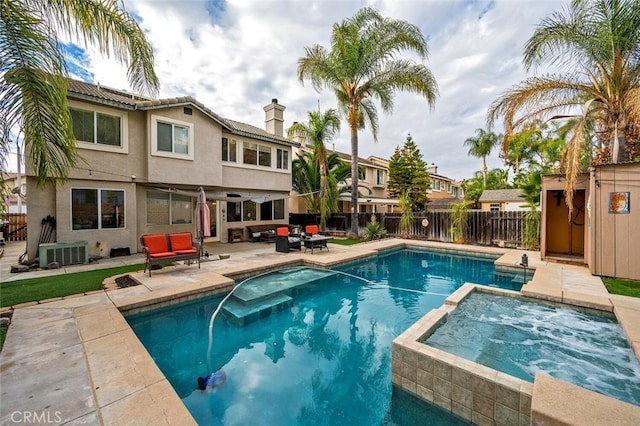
column 3, row 334
column 34, row 289
column 345, row 241
column 622, row 287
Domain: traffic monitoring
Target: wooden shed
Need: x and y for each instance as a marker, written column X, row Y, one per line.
column 603, row 230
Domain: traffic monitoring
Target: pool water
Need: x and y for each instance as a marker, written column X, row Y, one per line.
column 522, row 338
column 323, row 359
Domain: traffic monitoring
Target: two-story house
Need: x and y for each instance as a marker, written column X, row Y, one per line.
column 143, row 161
column 372, row 179
column 444, row 190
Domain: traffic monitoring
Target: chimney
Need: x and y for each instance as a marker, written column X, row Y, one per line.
column 432, row 169
column 299, row 138
column 274, row 118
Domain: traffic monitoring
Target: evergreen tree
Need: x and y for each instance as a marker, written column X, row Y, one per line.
column 408, row 174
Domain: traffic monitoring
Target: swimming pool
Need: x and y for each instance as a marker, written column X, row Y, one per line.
column 523, row 337
column 322, row 358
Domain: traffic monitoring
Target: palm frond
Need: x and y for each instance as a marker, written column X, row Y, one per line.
column 109, row 27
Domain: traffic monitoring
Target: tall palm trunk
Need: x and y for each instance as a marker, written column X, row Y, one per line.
column 322, row 195
column 484, row 171
column 354, row 180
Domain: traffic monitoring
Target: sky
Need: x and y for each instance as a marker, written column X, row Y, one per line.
column 235, row 56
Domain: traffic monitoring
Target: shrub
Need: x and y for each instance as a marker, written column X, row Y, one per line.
column 374, row 230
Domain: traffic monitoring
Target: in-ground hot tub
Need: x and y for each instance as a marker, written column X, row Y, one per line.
column 477, row 355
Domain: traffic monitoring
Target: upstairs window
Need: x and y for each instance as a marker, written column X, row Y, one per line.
column 250, row 153
column 379, row 177
column 362, row 173
column 229, row 150
column 256, row 154
column 98, row 128
column 171, row 138
column 282, row 159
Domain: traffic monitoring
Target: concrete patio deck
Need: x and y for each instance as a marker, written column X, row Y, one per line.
column 76, row 361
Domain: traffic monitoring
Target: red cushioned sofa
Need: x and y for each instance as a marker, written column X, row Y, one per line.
column 161, row 248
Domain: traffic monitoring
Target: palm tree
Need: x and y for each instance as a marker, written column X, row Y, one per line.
column 362, row 66
column 481, row 146
column 33, row 85
column 597, row 42
column 320, row 129
column 306, row 180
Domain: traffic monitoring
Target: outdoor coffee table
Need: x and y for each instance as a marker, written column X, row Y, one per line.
column 317, row 241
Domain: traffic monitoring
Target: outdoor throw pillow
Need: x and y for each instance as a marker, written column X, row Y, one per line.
column 180, row 241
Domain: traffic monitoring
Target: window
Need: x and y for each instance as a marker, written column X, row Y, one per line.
column 278, row 209
column 248, row 210
column 494, row 207
column 436, row 185
column 250, row 153
column 229, row 150
column 362, row 173
column 98, row 128
column 264, row 157
column 171, row 138
column 181, row 209
column 253, row 153
column 234, row 210
column 97, row 209
column 282, row 160
column 164, row 208
column 266, row 210
column 379, row 177
column 270, row 210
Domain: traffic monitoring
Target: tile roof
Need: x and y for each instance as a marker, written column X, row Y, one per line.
column 489, row 195
column 243, row 129
column 122, row 99
column 80, row 89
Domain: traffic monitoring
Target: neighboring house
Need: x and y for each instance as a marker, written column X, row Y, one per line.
column 374, row 172
column 14, row 194
column 502, row 200
column 143, row 162
column 444, row 190
column 603, row 230
column 372, row 178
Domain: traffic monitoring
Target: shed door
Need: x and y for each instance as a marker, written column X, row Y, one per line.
column 565, row 236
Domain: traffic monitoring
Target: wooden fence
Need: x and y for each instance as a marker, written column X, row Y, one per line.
column 483, row 228
column 16, row 228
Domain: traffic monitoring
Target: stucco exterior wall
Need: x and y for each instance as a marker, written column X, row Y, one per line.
column 98, row 163
column 42, row 202
column 244, row 177
column 204, row 168
column 108, row 238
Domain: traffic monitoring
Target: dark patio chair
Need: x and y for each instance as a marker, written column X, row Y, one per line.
column 284, row 242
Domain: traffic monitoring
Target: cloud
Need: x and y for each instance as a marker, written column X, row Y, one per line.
column 235, row 56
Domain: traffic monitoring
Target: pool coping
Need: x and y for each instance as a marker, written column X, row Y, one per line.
column 116, row 380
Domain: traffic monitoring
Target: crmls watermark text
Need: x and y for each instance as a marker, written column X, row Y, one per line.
column 36, row 417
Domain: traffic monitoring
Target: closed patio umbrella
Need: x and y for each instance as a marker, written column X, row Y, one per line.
column 203, row 215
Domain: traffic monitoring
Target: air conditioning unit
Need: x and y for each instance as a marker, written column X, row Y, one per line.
column 64, row 253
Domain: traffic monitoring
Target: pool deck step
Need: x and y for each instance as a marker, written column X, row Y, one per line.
column 242, row 314
column 264, row 288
